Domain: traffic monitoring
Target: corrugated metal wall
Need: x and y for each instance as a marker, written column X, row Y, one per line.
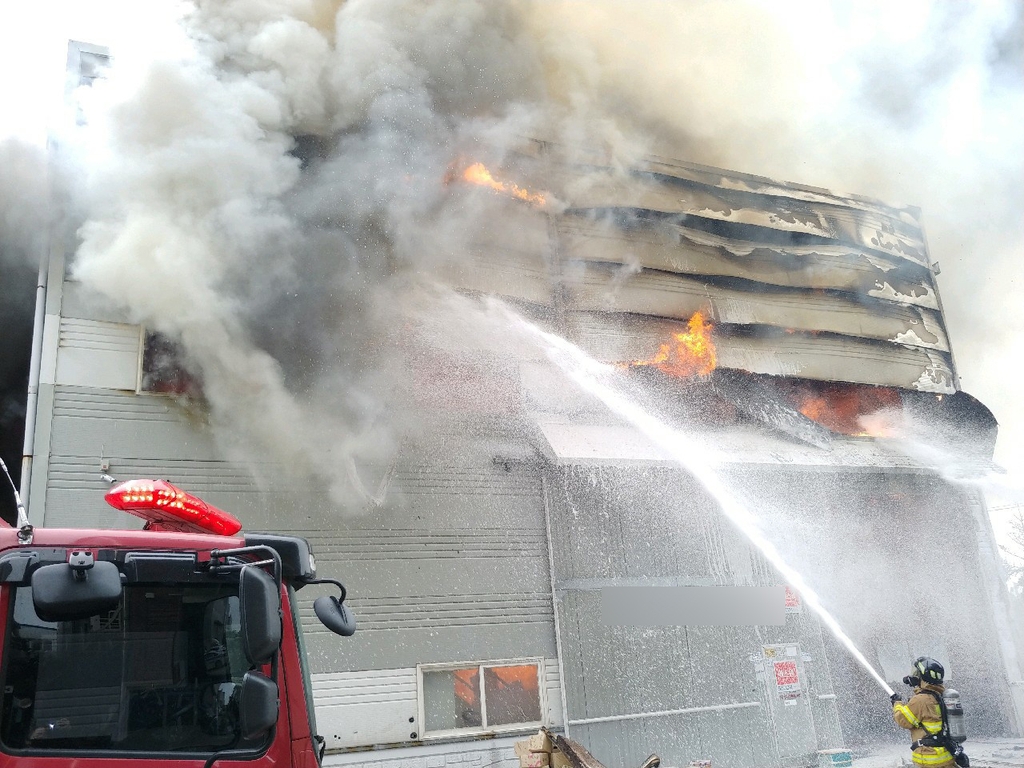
column 897, row 556
column 453, row 567
column 644, row 525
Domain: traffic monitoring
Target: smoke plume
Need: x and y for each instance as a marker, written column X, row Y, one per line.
column 278, row 171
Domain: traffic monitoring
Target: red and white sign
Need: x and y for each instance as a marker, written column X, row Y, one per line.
column 786, row 674
column 793, row 601
column 787, row 679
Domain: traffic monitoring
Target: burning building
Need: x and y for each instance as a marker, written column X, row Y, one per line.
column 797, row 332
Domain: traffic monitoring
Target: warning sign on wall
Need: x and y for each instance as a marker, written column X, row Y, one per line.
column 787, row 679
column 792, row 601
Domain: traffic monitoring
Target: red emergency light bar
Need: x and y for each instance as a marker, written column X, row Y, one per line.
column 166, row 508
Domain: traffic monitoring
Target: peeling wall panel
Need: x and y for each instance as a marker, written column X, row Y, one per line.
column 835, row 359
column 620, row 338
column 760, row 185
column 606, row 288
column 589, row 159
column 671, row 248
column 831, row 222
column 860, row 292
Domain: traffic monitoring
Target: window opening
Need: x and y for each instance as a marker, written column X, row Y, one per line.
column 92, row 65
column 164, row 370
column 480, row 697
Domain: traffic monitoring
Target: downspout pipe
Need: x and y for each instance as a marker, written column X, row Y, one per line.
column 35, row 364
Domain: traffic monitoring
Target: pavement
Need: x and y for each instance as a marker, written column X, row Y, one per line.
column 497, row 753
column 986, row 753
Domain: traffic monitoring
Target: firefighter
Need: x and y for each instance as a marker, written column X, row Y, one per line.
column 922, row 715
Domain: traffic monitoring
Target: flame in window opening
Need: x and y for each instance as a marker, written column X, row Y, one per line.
column 478, row 174
column 691, row 353
column 524, row 676
column 467, row 685
column 851, row 409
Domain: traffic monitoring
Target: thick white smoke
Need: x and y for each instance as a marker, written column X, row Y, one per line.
column 24, row 202
column 284, row 278
column 281, row 282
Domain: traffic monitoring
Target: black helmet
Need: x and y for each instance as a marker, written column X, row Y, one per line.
column 927, row 670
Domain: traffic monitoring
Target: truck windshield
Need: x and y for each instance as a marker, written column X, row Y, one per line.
column 160, row 673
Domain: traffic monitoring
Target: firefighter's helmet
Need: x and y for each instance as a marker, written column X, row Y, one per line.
column 928, row 670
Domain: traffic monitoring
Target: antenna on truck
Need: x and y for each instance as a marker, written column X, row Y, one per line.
column 24, row 527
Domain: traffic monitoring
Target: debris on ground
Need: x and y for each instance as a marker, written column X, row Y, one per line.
column 547, row 750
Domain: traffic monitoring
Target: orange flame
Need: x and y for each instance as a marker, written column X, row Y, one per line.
column 849, row 409
column 693, row 353
column 478, row 174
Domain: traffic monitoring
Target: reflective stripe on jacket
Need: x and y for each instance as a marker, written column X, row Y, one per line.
column 922, row 717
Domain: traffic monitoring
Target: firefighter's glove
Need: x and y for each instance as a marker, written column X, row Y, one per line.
column 896, row 699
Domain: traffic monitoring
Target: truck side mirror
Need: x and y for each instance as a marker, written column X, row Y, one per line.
column 77, row 589
column 332, row 611
column 335, row 615
column 260, row 614
column 257, row 704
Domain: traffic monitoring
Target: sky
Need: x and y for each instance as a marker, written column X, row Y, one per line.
column 915, row 102
column 36, row 36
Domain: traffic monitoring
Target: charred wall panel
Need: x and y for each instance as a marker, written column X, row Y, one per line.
column 610, row 289
column 849, row 276
column 668, row 246
column 701, row 204
column 613, row 338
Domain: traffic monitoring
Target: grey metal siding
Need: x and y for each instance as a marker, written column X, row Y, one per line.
column 647, row 525
column 876, row 546
column 136, row 436
column 452, row 568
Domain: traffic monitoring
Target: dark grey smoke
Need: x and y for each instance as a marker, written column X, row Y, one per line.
column 22, row 231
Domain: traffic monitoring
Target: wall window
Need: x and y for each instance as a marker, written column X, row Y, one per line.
column 479, row 697
column 163, row 368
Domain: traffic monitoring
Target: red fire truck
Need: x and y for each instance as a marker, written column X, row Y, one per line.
column 176, row 645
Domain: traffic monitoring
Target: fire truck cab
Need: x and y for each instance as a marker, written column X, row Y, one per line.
column 176, row 645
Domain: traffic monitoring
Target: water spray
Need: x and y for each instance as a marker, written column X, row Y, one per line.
column 587, row 373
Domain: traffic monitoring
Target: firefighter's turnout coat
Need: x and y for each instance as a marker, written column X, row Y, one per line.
column 922, row 717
